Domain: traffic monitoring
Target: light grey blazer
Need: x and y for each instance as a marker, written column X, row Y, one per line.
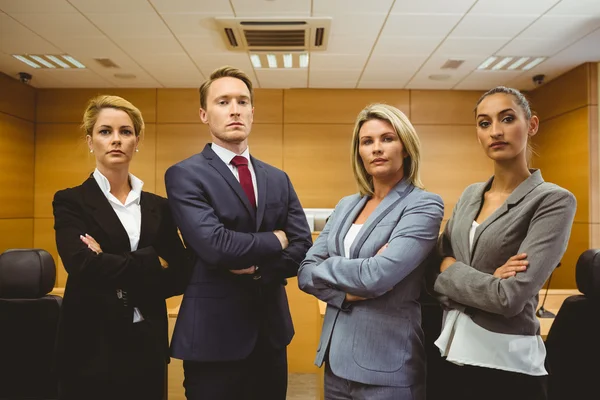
column 378, row 341
column 535, row 219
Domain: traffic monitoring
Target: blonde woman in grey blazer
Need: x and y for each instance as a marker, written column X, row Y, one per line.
column 367, row 266
column 504, row 239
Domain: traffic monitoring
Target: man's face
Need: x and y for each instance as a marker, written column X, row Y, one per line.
column 229, row 112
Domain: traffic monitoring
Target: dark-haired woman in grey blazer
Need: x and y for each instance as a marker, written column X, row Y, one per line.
column 367, row 265
column 504, row 239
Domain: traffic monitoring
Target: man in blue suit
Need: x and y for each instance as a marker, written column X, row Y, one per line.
column 245, row 223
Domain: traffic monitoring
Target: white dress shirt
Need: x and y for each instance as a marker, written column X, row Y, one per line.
column 462, row 341
column 227, row 155
column 130, row 215
column 350, row 237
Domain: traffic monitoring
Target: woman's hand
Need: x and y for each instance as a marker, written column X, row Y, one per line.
column 91, row 243
column 351, row 298
column 446, row 262
column 163, row 263
column 516, row 263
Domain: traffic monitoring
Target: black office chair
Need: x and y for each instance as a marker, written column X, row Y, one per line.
column 28, row 325
column 573, row 359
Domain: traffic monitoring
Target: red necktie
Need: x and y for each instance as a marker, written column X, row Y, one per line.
column 241, row 163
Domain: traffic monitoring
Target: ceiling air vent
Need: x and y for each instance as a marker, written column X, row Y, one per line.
column 106, row 62
column 281, row 34
column 452, row 64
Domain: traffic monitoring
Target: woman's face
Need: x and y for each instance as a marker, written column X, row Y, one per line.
column 381, row 150
column 113, row 139
column 503, row 128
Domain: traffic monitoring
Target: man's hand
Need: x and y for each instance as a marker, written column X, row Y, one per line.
column 282, row 239
column 516, row 263
column 247, row 271
column 351, row 297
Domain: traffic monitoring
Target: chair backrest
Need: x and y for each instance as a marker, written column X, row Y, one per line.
column 572, row 358
column 28, row 324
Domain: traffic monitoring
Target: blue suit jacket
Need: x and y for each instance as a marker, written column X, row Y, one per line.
column 378, row 341
column 222, row 314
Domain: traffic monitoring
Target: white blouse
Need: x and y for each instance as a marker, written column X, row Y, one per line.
column 350, row 237
column 462, row 341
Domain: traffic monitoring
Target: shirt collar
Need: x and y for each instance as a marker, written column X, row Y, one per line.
column 227, row 155
column 134, row 181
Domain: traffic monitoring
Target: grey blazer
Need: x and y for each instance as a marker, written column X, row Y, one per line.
column 535, row 219
column 376, row 341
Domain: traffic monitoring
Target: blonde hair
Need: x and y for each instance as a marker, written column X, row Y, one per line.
column 224, row 72
column 407, row 135
column 98, row 103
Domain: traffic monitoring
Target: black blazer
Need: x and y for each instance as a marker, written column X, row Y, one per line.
column 223, row 315
column 97, row 337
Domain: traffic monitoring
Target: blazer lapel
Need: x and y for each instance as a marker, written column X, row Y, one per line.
column 351, row 213
column 261, row 186
column 226, row 173
column 150, row 221
column 104, row 215
column 393, row 198
column 516, row 196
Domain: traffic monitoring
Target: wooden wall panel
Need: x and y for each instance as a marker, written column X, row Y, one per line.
column 63, row 160
column 317, row 159
column 176, row 142
column 16, row 167
column 444, row 107
column 564, row 277
column 68, row 105
column 16, row 98
column 336, row 106
column 16, row 233
column 452, row 159
column 307, row 324
column 566, row 93
column 563, row 156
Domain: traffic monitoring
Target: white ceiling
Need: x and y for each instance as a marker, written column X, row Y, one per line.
column 384, row 44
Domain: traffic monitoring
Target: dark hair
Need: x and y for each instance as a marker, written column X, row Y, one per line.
column 224, row 72
column 519, row 97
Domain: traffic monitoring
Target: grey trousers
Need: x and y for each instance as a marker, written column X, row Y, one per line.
column 337, row 388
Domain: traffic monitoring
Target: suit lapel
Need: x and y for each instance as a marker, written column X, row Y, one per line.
column 261, row 186
column 104, row 215
column 393, row 198
column 226, row 173
column 515, row 197
column 150, row 220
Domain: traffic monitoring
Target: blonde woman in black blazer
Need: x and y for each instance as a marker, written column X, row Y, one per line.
column 123, row 257
column 502, row 243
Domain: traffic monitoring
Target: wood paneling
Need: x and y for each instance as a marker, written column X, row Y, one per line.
column 16, row 98
column 68, row 105
column 567, row 93
column 336, row 106
column 63, row 160
column 562, row 148
column 16, row 233
column 564, row 277
column 176, row 142
column 317, row 159
column 444, row 107
column 307, row 324
column 16, row 167
column 451, row 160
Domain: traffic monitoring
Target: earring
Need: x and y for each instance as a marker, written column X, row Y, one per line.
column 91, row 150
column 137, row 150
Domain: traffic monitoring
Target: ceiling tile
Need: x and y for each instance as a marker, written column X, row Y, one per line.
column 296, row 8
column 130, row 25
column 390, row 45
column 157, row 45
column 52, row 26
column 199, row 46
column 428, row 84
column 335, row 75
column 420, row 24
column 392, row 76
column 322, row 61
column 110, row 6
column 513, row 7
column 350, row 44
column 577, row 7
column 191, row 6
column 561, row 26
column 395, row 63
column 432, row 6
column 534, row 47
column 457, row 46
column 17, row 39
column 193, row 23
column 36, row 6
column 485, row 80
column 491, row 25
column 366, row 25
column 282, row 78
column 327, row 8
column 382, row 84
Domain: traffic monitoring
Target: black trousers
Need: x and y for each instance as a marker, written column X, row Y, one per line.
column 476, row 383
column 261, row 376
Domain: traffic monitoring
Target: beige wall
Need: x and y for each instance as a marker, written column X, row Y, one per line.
column 567, row 154
column 17, row 131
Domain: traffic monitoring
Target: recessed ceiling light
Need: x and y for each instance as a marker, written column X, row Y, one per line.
column 510, row 63
column 533, row 63
column 489, row 61
column 255, row 58
column 279, row 60
column 49, row 61
column 501, row 63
